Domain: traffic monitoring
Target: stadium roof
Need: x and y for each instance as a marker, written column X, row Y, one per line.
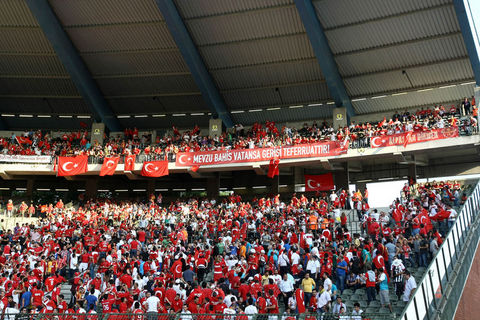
column 390, row 54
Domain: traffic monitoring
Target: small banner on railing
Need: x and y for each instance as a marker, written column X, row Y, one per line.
column 413, row 137
column 24, row 158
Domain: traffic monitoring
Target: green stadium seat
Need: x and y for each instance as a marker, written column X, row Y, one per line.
column 375, row 304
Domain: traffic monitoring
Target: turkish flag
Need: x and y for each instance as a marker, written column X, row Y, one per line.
column 382, row 123
column 176, row 269
column 323, row 182
column 22, row 140
column 109, row 166
column 155, row 169
column 129, row 162
column 273, row 168
column 71, row 166
column 441, row 215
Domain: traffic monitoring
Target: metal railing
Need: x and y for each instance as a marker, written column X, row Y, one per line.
column 192, row 316
column 437, row 281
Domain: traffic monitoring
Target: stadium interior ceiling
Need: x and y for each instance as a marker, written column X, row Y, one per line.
column 391, row 55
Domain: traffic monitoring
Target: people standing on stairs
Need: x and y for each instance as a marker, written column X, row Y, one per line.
column 410, row 286
column 382, row 281
column 397, row 273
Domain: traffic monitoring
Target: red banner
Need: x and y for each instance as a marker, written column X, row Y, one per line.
column 321, row 149
column 323, row 182
column 71, row 166
column 413, row 137
column 155, row 169
column 129, row 162
column 109, row 166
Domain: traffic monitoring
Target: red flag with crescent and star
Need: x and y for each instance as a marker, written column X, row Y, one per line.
column 71, row 166
column 155, row 169
column 129, row 162
column 273, row 169
column 322, row 182
column 109, row 166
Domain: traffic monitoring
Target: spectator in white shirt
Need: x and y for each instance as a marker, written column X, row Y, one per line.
column 323, row 301
column 251, row 309
column 410, row 286
column 286, row 287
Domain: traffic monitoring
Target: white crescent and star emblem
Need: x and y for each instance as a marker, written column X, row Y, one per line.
column 309, row 184
column 182, row 161
column 110, row 163
column 148, row 165
column 129, row 160
column 65, row 166
column 377, row 141
column 176, row 269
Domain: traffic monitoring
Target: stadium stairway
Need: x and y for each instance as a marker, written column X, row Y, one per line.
column 66, row 291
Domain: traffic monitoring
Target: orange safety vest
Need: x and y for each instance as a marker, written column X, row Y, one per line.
column 9, row 206
column 313, row 222
column 324, row 223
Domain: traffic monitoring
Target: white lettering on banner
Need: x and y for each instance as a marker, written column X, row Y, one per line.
column 329, row 148
column 24, row 158
column 413, row 137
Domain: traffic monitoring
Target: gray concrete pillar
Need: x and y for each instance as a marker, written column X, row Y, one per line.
column 274, row 185
column 361, row 186
column 341, row 177
column 298, row 177
column 30, row 184
column 339, row 118
column 91, row 187
column 412, row 173
column 96, row 136
column 213, row 186
column 150, row 187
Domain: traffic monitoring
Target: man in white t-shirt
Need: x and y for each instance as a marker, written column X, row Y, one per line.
column 152, row 303
column 333, row 197
column 410, row 286
column 295, row 257
column 327, row 283
column 313, row 265
column 323, row 301
column 251, row 309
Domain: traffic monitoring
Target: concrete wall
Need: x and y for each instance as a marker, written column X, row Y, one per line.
column 468, row 306
column 9, row 223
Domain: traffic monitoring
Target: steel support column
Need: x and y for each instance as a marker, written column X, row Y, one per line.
column 324, row 55
column 73, row 63
column 194, row 61
column 463, row 14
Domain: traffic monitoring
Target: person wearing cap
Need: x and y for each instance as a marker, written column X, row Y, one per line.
column 397, row 273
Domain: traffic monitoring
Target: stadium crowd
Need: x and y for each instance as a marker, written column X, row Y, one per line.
column 229, row 257
column 257, row 136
